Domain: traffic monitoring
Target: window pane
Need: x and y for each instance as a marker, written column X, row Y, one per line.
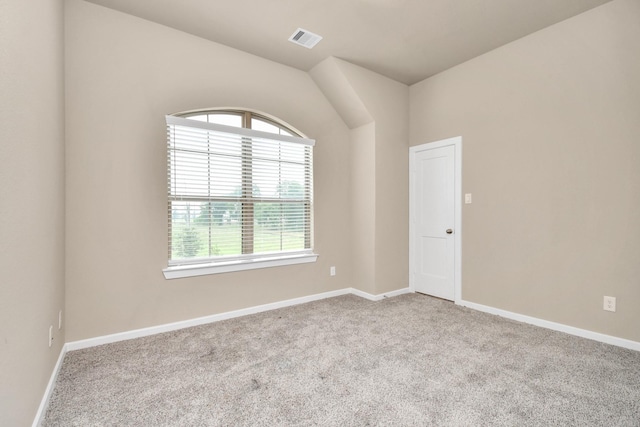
column 281, row 180
column 279, row 227
column 189, row 174
column 291, row 190
column 221, row 223
column 281, row 151
column 266, row 177
column 225, row 176
column 291, row 181
column 226, row 119
column 263, row 126
column 205, row 229
column 185, row 238
column 266, row 126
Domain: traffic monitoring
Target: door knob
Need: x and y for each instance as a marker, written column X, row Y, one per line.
column 449, row 231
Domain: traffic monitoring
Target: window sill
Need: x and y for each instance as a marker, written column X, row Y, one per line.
column 180, row 271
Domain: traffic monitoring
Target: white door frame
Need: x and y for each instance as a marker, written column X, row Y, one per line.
column 457, row 143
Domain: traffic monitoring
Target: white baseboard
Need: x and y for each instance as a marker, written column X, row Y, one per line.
column 168, row 327
column 380, row 297
column 596, row 336
column 137, row 333
column 47, row 392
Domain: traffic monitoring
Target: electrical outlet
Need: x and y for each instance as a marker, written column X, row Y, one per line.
column 609, row 303
column 332, row 271
column 50, row 335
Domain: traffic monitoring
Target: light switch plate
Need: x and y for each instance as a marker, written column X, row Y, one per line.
column 467, row 198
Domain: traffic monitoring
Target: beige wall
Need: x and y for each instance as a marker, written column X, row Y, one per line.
column 388, row 103
column 376, row 109
column 551, row 152
column 123, row 75
column 31, row 202
column 363, row 207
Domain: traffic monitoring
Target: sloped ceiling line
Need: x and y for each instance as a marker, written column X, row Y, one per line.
column 335, row 86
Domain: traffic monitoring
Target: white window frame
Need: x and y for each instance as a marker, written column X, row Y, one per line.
column 189, row 268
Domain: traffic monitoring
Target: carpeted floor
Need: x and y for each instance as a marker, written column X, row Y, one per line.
column 410, row 360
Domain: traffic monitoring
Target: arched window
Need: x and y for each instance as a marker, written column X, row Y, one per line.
column 240, row 187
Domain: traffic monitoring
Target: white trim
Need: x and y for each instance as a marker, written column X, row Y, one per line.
column 380, row 297
column 571, row 330
column 122, row 336
column 44, row 403
column 190, row 270
column 152, row 330
column 456, row 142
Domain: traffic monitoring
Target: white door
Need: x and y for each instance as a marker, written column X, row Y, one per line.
column 433, row 219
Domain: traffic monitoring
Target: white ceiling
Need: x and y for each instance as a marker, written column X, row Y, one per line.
column 407, row 40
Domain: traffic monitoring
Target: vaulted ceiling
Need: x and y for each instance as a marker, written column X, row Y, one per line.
column 406, row 40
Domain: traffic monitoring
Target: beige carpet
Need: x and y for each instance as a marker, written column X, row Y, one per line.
column 411, row 360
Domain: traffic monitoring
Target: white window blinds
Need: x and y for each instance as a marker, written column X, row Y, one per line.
column 236, row 193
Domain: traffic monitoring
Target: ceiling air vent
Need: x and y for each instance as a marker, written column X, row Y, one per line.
column 305, row 38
